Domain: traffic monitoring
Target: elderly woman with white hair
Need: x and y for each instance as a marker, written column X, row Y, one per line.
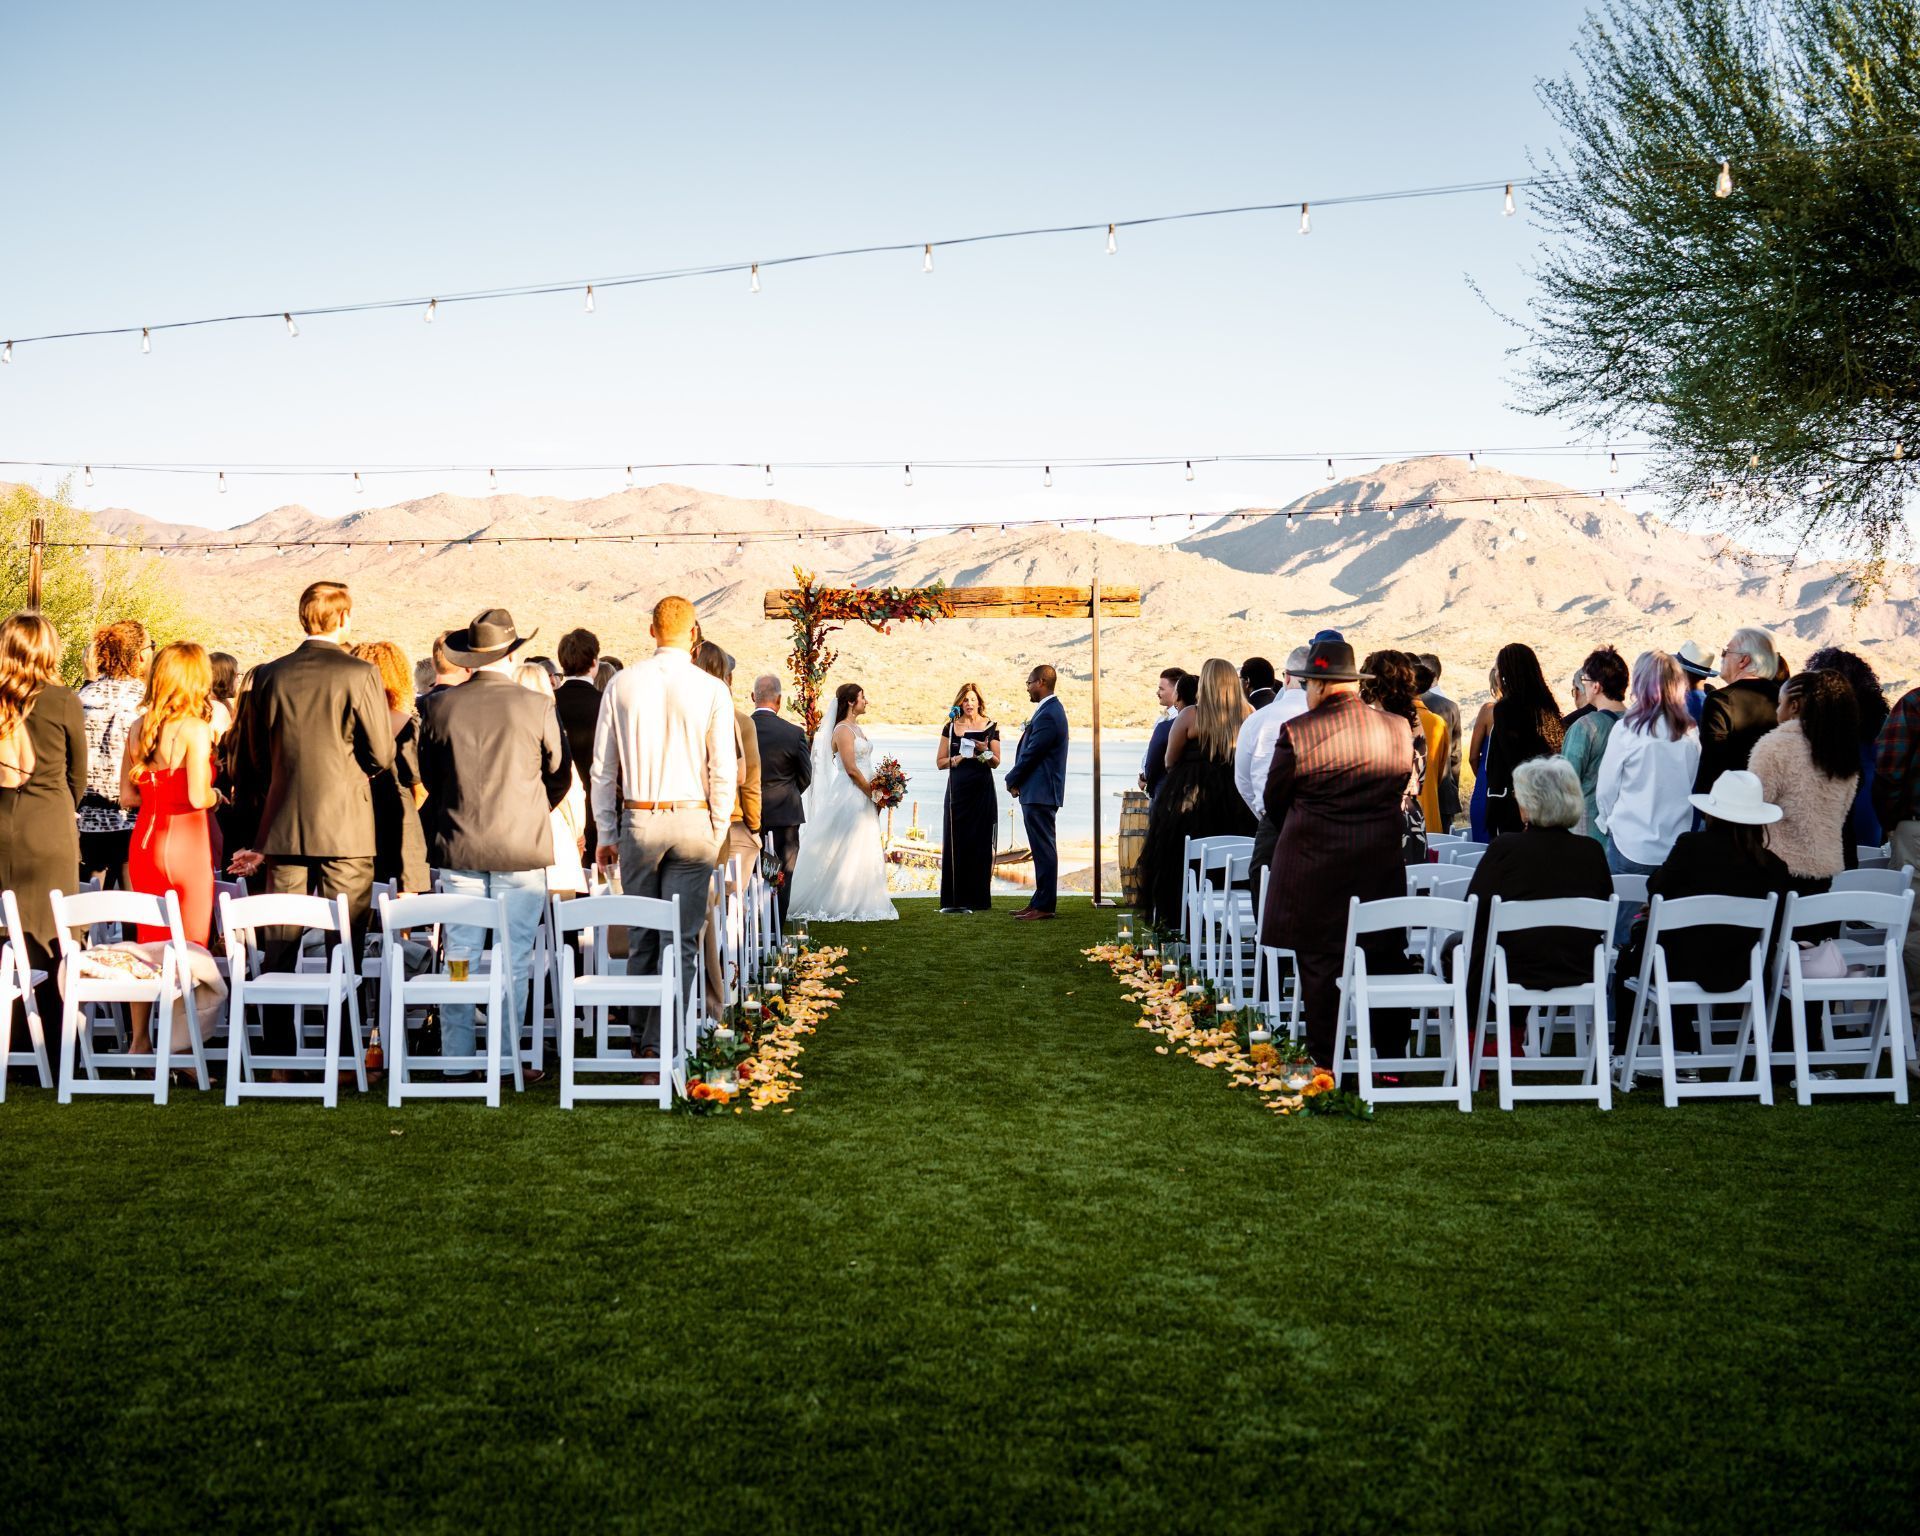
column 1738, row 715
column 1546, row 860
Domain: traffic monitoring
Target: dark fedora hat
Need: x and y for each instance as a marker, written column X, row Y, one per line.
column 489, row 638
column 1331, row 661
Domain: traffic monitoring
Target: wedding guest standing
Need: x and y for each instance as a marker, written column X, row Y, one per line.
column 168, row 777
column 43, row 774
column 494, row 766
column 1604, row 695
column 577, row 702
column 1258, row 682
column 566, row 875
column 1896, row 802
column 1736, row 716
column 1428, row 681
column 1389, row 688
column 1335, row 790
column 1199, row 797
column 1038, row 780
column 1698, row 664
column 1863, row 824
column 399, row 843
column 786, row 771
column 968, row 754
column 665, row 773
column 1522, row 723
column 313, row 732
column 1166, row 692
column 1253, row 755
column 1647, row 771
column 1809, row 766
column 110, row 703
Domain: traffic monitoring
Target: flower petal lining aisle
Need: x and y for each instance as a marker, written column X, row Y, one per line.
column 1183, row 1016
column 765, row 1064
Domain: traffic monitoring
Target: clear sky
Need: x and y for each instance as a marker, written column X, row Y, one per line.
column 169, row 161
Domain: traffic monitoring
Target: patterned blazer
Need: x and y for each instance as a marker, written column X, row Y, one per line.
column 1339, row 776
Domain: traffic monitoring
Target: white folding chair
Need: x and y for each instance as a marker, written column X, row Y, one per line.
column 1193, row 883
column 1276, row 975
column 1224, row 908
column 1439, row 842
column 1878, row 994
column 1427, row 992
column 1867, row 857
column 485, row 987
column 18, row 978
column 86, row 980
column 1656, row 995
column 1463, row 855
column 1585, row 1001
column 1630, row 890
column 603, row 989
column 336, row 989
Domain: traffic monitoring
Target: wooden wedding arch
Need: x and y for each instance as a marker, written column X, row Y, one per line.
column 816, row 612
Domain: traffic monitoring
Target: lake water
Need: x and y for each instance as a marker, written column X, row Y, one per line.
column 1119, row 760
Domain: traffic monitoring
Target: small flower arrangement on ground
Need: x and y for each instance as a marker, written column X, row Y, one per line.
column 1194, row 1024
column 748, row 1060
column 889, row 783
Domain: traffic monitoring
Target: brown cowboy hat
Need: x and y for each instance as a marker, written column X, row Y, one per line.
column 489, row 638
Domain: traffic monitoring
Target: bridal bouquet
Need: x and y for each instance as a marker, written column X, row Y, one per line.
column 889, row 783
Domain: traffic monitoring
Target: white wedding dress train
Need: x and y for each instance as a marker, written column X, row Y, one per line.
column 841, row 875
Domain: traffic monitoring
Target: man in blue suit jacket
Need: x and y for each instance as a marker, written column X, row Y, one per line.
column 1038, row 780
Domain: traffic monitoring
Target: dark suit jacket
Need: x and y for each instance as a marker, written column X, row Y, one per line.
column 1339, row 777
column 313, row 730
column 1538, row 865
column 1039, row 772
column 495, row 766
column 1731, row 721
column 1156, row 769
column 1709, row 863
column 786, row 770
column 577, row 702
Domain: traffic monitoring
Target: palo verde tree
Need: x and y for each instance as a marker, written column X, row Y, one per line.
column 80, row 588
column 1734, row 271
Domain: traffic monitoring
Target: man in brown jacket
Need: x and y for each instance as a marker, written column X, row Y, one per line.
column 1339, row 774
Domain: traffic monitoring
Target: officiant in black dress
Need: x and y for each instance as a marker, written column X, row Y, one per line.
column 968, row 754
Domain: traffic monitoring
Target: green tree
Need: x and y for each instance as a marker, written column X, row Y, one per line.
column 81, row 588
column 1762, row 329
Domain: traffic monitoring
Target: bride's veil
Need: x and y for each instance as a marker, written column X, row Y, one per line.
column 824, row 767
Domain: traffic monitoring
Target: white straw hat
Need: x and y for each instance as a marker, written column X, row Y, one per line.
column 1737, row 796
column 1694, row 660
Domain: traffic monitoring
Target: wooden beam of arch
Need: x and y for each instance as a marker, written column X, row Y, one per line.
column 1010, row 602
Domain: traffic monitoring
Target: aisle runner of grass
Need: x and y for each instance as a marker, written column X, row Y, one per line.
column 1006, row 1270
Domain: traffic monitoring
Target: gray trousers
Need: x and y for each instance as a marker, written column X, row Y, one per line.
column 668, row 855
column 1905, row 840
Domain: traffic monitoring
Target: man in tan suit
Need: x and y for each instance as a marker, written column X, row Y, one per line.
column 742, row 846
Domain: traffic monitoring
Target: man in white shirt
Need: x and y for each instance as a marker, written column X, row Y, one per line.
column 1253, row 751
column 665, row 774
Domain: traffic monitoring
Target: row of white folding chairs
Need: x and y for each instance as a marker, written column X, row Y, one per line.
column 1870, row 1031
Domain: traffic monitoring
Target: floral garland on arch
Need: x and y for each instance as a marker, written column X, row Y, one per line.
column 815, row 612
column 1180, row 1012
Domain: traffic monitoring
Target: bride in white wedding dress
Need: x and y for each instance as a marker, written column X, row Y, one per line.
column 841, row 876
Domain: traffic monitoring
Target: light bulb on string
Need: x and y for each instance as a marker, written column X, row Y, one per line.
column 1329, row 469
column 146, row 340
column 89, row 469
column 1723, row 183
column 769, row 470
column 589, row 308
column 1613, row 462
column 1470, row 457
column 493, row 481
column 1189, row 469
column 1507, row 207
column 359, row 485
column 755, row 287
column 909, row 477
column 629, row 477
column 1290, row 523
column 1306, row 220
column 292, row 329
column 433, row 308
column 1113, row 244
column 6, row 353
column 1048, row 480
column 223, row 482
column 926, row 264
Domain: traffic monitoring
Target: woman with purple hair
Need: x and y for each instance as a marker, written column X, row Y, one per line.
column 1647, row 771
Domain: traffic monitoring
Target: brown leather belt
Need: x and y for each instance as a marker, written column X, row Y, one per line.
column 666, row 805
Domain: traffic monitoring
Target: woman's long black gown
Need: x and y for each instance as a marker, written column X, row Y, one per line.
column 1198, row 799
column 972, row 809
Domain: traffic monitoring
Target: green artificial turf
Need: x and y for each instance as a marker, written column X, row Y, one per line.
column 1003, row 1268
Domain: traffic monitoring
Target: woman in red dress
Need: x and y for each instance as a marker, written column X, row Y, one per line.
column 168, row 774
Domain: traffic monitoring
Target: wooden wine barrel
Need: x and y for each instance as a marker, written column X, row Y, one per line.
column 1133, row 841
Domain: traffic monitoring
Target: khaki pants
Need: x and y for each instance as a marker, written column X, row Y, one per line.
column 1905, row 840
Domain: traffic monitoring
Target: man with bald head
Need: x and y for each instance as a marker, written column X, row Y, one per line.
column 664, row 779
column 786, row 770
column 1038, row 780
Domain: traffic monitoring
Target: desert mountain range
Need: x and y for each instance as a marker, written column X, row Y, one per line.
column 1562, row 572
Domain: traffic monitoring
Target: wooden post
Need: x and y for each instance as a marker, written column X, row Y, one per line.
column 1098, row 851
column 36, row 546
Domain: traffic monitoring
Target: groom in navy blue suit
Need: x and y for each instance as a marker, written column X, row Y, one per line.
column 1038, row 780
